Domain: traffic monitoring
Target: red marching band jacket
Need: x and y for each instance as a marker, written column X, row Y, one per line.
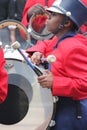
column 70, row 68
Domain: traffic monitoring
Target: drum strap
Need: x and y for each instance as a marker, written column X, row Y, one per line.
column 78, row 110
column 76, row 106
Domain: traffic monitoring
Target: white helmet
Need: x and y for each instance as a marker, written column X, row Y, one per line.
column 76, row 10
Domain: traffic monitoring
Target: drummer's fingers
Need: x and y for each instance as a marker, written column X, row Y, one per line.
column 35, row 60
column 32, row 60
column 46, row 79
column 37, row 9
column 41, row 78
column 40, row 8
column 46, row 71
column 44, row 83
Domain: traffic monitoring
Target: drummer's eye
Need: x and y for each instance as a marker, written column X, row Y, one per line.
column 54, row 14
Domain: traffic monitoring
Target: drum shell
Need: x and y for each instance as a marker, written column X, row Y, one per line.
column 40, row 100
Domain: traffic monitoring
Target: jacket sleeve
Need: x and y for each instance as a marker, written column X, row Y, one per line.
column 3, row 78
column 40, row 46
column 72, row 82
column 44, row 47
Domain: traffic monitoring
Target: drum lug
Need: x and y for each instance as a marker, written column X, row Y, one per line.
column 55, row 99
column 8, row 48
column 52, row 123
column 9, row 66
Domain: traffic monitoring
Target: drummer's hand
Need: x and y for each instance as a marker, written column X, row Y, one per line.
column 36, row 58
column 36, row 9
column 46, row 79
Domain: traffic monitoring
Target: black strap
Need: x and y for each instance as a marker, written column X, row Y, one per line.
column 78, row 110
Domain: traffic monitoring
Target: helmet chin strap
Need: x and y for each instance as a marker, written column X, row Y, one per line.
column 61, row 25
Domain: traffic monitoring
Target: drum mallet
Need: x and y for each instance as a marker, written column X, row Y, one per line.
column 50, row 58
column 16, row 45
column 47, row 61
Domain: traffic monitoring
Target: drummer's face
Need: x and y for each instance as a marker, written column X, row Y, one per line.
column 54, row 21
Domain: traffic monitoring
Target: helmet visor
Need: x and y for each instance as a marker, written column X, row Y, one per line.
column 54, row 9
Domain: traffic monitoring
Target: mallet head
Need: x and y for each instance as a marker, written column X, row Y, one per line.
column 16, row 45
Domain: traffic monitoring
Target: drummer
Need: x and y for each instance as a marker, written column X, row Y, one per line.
column 68, row 75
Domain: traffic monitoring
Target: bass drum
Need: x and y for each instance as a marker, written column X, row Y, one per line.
column 28, row 106
column 13, row 30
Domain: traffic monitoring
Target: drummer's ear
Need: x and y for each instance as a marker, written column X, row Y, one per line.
column 68, row 23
